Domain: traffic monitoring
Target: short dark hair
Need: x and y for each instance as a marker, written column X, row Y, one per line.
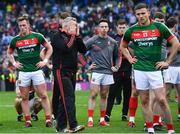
column 23, row 17
column 159, row 15
column 103, row 20
column 141, row 5
column 121, row 22
column 171, row 22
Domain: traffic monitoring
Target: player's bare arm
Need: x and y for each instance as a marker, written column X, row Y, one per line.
column 10, row 55
column 126, row 53
column 47, row 55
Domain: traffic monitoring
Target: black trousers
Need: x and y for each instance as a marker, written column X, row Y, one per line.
column 63, row 101
column 122, row 82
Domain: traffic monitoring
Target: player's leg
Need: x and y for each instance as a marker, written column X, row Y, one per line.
column 156, row 83
column 157, row 112
column 177, row 86
column 94, row 90
column 114, row 91
column 142, row 84
column 19, row 109
column 106, row 81
column 104, row 89
column 133, row 104
column 126, row 95
column 24, row 82
column 37, row 106
column 41, row 90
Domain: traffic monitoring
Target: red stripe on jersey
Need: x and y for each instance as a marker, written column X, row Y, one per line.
column 145, row 34
column 26, row 42
column 170, row 37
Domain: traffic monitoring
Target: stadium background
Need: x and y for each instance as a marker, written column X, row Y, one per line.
column 44, row 18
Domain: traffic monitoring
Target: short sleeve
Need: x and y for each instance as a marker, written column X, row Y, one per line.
column 127, row 35
column 41, row 39
column 165, row 32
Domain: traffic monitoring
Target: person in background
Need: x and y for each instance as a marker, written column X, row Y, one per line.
column 104, row 51
column 147, row 37
column 122, row 79
column 66, row 44
column 29, row 64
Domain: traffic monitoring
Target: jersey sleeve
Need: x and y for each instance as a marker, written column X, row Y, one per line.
column 89, row 43
column 166, row 33
column 127, row 35
column 12, row 44
column 42, row 40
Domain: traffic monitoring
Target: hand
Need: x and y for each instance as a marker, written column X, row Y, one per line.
column 162, row 65
column 133, row 60
column 92, row 66
column 72, row 30
column 41, row 64
column 114, row 68
column 77, row 30
column 17, row 65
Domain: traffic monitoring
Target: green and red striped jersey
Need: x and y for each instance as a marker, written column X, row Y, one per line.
column 28, row 50
column 147, row 42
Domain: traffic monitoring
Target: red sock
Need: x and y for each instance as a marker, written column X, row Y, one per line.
column 170, row 127
column 156, row 118
column 103, row 113
column 27, row 118
column 90, row 112
column 149, row 124
column 179, row 110
column 48, row 118
column 133, row 103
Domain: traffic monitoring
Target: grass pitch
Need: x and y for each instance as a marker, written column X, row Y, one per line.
column 8, row 123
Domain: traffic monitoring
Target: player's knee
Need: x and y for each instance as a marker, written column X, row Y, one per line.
column 103, row 96
column 145, row 103
column 43, row 96
column 93, row 96
column 162, row 101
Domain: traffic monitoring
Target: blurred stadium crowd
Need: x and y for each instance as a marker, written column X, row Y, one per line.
column 44, row 17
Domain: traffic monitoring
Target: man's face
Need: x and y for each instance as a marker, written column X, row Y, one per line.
column 121, row 28
column 23, row 27
column 72, row 27
column 103, row 28
column 142, row 15
column 159, row 20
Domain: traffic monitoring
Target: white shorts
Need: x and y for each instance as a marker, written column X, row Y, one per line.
column 102, row 79
column 166, row 76
column 146, row 80
column 174, row 74
column 25, row 78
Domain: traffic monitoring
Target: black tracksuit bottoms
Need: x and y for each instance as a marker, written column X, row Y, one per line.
column 63, row 101
column 122, row 82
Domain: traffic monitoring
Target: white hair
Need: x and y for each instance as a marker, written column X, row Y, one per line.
column 66, row 21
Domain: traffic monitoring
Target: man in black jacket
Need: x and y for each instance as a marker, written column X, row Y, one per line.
column 66, row 44
column 122, row 79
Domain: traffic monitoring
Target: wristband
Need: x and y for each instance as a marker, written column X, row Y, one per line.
column 14, row 63
column 45, row 60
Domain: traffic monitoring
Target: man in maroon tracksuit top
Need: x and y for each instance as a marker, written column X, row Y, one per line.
column 66, row 44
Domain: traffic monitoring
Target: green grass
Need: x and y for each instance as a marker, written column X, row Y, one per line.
column 10, row 125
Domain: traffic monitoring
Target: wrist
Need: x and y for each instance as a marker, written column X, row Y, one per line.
column 45, row 60
column 14, row 63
